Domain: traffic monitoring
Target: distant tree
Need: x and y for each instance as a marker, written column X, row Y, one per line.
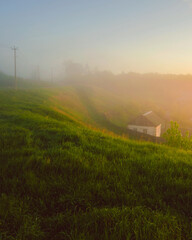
column 174, row 138
column 73, row 69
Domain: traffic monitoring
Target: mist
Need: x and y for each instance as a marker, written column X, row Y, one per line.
column 132, row 57
column 121, row 36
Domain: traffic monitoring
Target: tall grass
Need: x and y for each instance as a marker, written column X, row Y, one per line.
column 61, row 180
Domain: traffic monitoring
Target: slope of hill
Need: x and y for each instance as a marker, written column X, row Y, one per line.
column 132, row 94
column 103, row 108
column 62, row 180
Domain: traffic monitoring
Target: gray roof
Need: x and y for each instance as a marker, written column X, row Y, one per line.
column 149, row 119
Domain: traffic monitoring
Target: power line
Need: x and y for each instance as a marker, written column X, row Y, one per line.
column 15, row 65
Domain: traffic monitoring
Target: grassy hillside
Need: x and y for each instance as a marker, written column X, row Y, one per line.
column 123, row 97
column 98, row 107
column 62, row 180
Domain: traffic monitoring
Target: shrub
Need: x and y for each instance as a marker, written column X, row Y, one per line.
column 174, row 137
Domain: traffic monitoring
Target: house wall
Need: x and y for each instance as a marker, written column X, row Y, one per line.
column 158, row 131
column 154, row 131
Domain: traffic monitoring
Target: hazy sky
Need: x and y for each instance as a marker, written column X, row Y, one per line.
column 116, row 35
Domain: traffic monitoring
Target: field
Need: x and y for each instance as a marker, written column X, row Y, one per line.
column 62, row 179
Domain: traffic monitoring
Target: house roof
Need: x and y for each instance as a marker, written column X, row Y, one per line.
column 149, row 119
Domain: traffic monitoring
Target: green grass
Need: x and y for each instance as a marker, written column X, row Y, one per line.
column 98, row 107
column 62, row 180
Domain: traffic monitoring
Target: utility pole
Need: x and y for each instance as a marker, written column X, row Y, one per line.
column 15, row 65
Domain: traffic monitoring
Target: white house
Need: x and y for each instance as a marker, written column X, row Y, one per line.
column 148, row 123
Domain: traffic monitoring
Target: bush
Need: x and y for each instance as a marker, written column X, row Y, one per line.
column 174, row 137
